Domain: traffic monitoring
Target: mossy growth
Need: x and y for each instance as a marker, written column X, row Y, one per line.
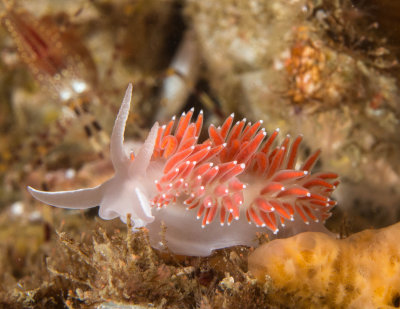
column 109, row 265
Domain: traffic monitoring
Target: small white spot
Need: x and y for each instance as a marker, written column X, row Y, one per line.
column 79, row 86
column 65, row 95
column 17, row 208
column 70, row 173
column 35, row 216
column 321, row 15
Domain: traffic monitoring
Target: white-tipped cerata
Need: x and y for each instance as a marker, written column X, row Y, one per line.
column 236, row 176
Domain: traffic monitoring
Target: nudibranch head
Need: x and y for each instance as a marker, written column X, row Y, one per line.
column 125, row 193
column 233, row 178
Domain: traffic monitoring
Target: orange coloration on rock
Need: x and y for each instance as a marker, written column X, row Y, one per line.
column 315, row 270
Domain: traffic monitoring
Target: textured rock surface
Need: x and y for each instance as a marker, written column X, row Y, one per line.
column 317, row 68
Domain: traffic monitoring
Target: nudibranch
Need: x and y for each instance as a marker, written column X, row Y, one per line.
column 209, row 195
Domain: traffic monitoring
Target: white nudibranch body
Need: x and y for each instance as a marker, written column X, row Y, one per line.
column 209, row 195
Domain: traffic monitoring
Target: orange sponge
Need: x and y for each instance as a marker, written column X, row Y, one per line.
column 314, row 270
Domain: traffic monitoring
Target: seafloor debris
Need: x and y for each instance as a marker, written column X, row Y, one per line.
column 115, row 266
column 314, row 270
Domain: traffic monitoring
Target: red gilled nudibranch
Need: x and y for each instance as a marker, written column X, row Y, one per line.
column 209, row 195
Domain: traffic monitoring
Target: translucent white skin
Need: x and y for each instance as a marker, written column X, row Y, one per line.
column 132, row 187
